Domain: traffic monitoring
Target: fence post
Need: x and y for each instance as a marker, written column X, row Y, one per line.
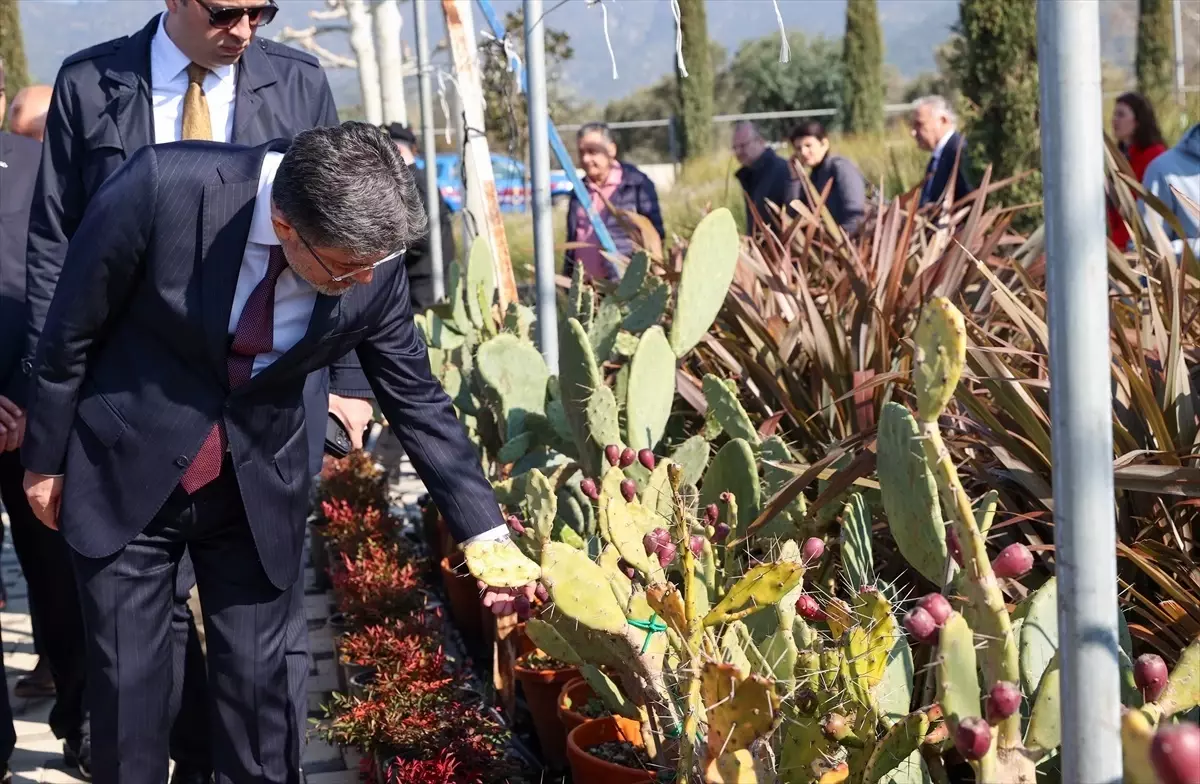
column 673, row 139
column 1080, row 393
column 429, row 151
column 539, row 166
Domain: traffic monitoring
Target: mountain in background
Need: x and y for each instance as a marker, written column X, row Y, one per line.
column 642, row 33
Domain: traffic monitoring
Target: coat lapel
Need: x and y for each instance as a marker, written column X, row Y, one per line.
column 326, row 312
column 127, row 75
column 255, row 72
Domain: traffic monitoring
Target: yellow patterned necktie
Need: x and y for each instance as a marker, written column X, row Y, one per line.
column 196, row 121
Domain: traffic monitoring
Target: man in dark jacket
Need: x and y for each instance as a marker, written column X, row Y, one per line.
column 764, row 175
column 934, row 127
column 418, row 260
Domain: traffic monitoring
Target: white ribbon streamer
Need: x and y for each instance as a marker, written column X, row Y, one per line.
column 785, row 49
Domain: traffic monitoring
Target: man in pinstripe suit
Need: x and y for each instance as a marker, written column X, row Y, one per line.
column 168, row 388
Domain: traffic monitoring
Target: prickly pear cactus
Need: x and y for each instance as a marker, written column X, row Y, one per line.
column 651, row 390
column 940, row 352
column 500, row 564
column 910, row 494
column 708, row 268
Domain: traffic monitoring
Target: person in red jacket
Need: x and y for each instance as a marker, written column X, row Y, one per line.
column 1137, row 134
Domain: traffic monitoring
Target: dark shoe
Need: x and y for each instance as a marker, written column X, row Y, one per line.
column 5, row 775
column 186, row 775
column 36, row 685
column 77, row 756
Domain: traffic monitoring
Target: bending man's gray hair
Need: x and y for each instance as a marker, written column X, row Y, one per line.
column 939, row 105
column 749, row 126
column 594, row 127
column 347, row 187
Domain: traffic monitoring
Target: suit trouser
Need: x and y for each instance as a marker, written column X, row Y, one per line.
column 58, row 630
column 8, row 731
column 127, row 601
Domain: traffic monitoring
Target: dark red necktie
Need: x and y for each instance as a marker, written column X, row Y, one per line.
column 254, row 335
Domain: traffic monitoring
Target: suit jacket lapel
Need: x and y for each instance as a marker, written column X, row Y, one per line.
column 255, row 72
column 326, row 312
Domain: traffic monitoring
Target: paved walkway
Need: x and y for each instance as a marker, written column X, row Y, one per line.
column 38, row 756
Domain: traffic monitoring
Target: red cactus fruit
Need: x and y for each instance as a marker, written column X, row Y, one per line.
column 627, row 458
column 1175, row 753
column 726, row 497
column 1013, row 561
column 514, row 523
column 1150, row 675
column 812, row 550
column 809, row 608
column 588, row 486
column 646, row 458
column 656, row 539
column 834, row 726
column 720, row 532
column 973, row 738
column 937, row 606
column 522, row 606
column 666, row 554
column 612, row 453
column 1003, row 700
column 711, row 514
column 952, row 543
column 920, row 625
column 628, row 489
column 696, row 544
column 540, row 593
column 624, row 566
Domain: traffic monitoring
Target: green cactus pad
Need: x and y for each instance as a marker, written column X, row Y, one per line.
column 727, row 409
column 579, row 589
column 735, row 470
column 785, row 609
column 939, row 354
column 893, row 695
column 647, row 308
column 547, row 638
column 575, row 293
column 780, row 652
column 515, row 448
column 692, row 457
column 480, row 284
column 626, row 535
column 1045, row 730
column 788, row 522
column 622, row 586
column 634, row 277
column 708, row 268
column 500, row 564
column 807, row 756
column 985, row 511
column 734, row 767
column 587, row 307
column 856, row 543
column 958, row 680
column 608, row 692
column 567, row 535
column 541, row 504
column 578, row 380
column 740, row 709
column 626, row 345
column 731, row 649
column 1039, row 635
column 901, row 740
column 651, row 390
column 516, row 375
column 458, row 301
column 556, row 416
column 610, row 492
column 762, row 586
column 603, row 331
column 868, row 646
column 657, row 495
column 603, row 419
column 909, row 493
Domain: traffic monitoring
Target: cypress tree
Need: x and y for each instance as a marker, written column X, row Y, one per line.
column 997, row 69
column 862, row 54
column 1154, row 65
column 12, row 49
column 696, row 89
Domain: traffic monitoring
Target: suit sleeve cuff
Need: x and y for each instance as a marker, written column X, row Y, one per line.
column 494, row 534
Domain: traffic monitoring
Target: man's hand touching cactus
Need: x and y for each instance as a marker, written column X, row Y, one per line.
column 507, row 579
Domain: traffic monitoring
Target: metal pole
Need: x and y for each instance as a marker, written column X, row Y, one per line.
column 1080, row 397
column 1179, row 69
column 539, row 166
column 429, row 150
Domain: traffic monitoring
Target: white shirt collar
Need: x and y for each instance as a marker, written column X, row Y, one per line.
column 262, row 231
column 942, row 142
column 167, row 61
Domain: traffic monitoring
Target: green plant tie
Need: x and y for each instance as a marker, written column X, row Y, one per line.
column 650, row 627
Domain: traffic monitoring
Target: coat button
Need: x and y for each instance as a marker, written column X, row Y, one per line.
column 182, row 461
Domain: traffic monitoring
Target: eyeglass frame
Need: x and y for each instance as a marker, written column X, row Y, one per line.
column 338, row 278
column 244, row 12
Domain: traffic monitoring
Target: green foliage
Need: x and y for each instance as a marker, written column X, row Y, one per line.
column 997, row 68
column 813, row 77
column 1154, row 63
column 12, row 51
column 862, row 55
column 696, row 89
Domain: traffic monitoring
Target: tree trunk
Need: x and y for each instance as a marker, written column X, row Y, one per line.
column 1154, row 64
column 391, row 62
column 862, row 53
column 12, row 50
column 364, row 51
column 695, row 89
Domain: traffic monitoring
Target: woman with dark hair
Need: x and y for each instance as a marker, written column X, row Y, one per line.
column 1136, row 131
column 848, row 193
column 622, row 185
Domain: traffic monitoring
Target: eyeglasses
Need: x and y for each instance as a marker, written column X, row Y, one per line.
column 357, row 271
column 224, row 18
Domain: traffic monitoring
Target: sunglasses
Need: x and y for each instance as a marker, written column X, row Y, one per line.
column 356, row 271
column 225, row 18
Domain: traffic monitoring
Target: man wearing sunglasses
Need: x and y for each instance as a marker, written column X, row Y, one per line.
column 198, row 71
column 221, row 278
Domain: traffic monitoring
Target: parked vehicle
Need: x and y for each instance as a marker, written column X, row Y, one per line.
column 513, row 188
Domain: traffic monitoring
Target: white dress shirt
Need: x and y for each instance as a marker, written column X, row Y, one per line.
column 169, row 82
column 941, row 145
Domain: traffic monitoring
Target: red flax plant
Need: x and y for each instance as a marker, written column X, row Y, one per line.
column 348, row 527
column 405, row 645
column 355, row 479
column 380, row 582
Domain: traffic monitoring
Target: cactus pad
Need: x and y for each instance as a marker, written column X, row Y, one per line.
column 607, row 691
column 762, row 586
column 725, row 407
column 958, row 683
column 516, row 375
column 732, row 767
column 647, row 308
column 547, row 638
column 515, row 448
column 901, row 740
column 740, row 709
column 651, row 390
column 500, row 564
column 734, row 470
column 579, row 377
column 626, row 535
column 909, row 493
column 603, row 419
column 940, row 351
column 579, row 589
column 1183, row 685
column 458, row 302
column 708, row 268
column 541, row 502
column 603, row 331
column 1045, row 729
column 634, row 277
column 1039, row 635
column 893, row 695
column 692, row 457
column 856, row 543
column 480, row 284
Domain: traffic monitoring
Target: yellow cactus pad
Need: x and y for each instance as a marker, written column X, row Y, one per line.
column 500, row 564
column 740, row 710
column 939, row 354
column 761, row 587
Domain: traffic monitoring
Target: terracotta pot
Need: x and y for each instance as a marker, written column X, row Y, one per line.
column 464, row 598
column 589, row 769
column 574, row 694
column 541, row 688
